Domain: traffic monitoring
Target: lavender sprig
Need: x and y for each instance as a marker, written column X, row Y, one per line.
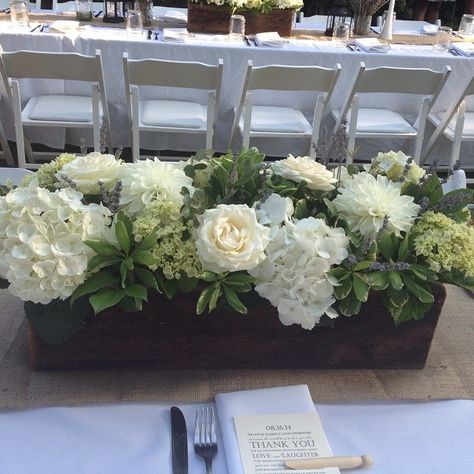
column 111, row 199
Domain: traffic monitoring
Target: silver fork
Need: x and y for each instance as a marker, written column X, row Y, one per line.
column 205, row 439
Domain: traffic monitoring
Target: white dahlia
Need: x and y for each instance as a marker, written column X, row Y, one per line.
column 304, row 168
column 365, row 200
column 152, row 180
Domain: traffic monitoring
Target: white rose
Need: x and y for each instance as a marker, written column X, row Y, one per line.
column 304, row 168
column 87, row 171
column 229, row 238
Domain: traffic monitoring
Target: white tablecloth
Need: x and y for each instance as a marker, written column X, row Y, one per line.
column 113, row 43
column 403, row 437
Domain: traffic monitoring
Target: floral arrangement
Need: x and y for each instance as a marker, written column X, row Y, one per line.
column 94, row 232
column 258, row 6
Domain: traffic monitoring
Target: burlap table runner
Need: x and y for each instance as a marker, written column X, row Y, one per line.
column 449, row 372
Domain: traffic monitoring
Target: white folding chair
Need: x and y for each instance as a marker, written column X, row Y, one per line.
column 456, row 124
column 171, row 116
column 55, row 110
column 374, row 123
column 5, row 152
column 15, row 175
column 270, row 121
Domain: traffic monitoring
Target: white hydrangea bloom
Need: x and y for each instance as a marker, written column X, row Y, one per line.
column 86, row 172
column 42, row 250
column 294, row 277
column 149, row 180
column 365, row 200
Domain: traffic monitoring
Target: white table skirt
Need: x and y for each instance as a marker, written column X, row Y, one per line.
column 113, row 43
column 403, row 437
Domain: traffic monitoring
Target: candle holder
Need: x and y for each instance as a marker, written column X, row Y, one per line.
column 115, row 10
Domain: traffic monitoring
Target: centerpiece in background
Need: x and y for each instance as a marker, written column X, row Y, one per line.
column 363, row 11
column 261, row 15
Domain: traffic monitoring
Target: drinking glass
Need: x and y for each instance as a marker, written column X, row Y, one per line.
column 443, row 38
column 341, row 32
column 19, row 12
column 83, row 10
column 236, row 27
column 466, row 26
column 134, row 22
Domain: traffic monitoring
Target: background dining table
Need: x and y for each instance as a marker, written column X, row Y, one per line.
column 113, row 42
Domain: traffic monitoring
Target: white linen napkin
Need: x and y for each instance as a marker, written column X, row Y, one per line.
column 294, row 399
column 174, row 35
column 174, row 16
column 371, row 45
column 271, row 38
column 465, row 49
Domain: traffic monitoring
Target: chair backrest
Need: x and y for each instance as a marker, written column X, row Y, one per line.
column 15, row 175
column 448, row 116
column 287, row 78
column 395, row 80
column 46, row 65
column 156, row 72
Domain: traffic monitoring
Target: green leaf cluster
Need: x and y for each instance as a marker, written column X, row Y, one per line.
column 121, row 273
column 224, row 288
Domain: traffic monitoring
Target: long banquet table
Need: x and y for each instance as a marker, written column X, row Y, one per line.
column 113, row 42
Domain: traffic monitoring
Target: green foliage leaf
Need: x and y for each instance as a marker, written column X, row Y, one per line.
column 209, row 277
column 102, row 261
column 146, row 244
column 95, row 282
column 423, row 294
column 146, row 278
column 360, row 287
column 403, row 248
column 136, row 291
column 106, row 298
column 412, row 309
column 215, row 295
column 301, row 209
column 395, row 280
column 203, row 300
column 377, row 280
column 387, row 244
column 122, row 236
column 233, row 300
column 187, row 284
column 345, row 287
column 239, row 277
column 398, row 297
column 362, row 265
column 349, row 305
column 447, row 205
column 59, row 320
column 103, row 248
column 144, row 257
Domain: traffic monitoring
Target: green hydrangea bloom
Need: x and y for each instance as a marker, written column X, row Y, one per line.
column 445, row 244
column 176, row 256
column 46, row 173
column 392, row 164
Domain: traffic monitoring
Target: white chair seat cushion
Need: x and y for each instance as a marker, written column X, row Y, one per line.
column 173, row 113
column 60, row 108
column 381, row 121
column 468, row 130
column 278, row 120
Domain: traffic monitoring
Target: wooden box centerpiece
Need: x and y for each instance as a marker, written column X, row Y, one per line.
column 232, row 262
column 169, row 335
column 209, row 18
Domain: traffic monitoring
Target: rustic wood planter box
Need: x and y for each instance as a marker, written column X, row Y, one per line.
column 169, row 335
column 215, row 19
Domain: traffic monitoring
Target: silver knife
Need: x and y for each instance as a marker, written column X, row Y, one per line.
column 179, row 442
